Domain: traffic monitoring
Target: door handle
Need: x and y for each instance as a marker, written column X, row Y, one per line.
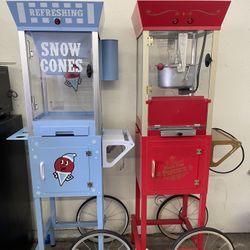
column 153, row 168
column 42, row 173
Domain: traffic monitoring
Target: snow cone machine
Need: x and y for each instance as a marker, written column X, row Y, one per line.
column 63, row 61
column 176, row 61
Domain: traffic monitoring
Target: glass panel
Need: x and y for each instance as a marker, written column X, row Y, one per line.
column 139, row 76
column 35, row 78
column 60, row 66
column 174, row 63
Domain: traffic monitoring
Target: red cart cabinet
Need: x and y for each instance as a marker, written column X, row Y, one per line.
column 173, row 165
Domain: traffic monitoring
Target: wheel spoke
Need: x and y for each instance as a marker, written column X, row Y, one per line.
column 92, row 215
column 108, row 205
column 111, row 243
column 189, row 204
column 203, row 238
column 224, row 245
column 165, row 208
column 206, row 241
column 115, row 215
column 215, row 241
column 122, row 212
column 86, row 245
column 196, row 212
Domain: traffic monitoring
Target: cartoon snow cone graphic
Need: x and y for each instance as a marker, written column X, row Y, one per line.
column 64, row 167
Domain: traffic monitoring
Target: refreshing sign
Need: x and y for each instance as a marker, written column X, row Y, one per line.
column 56, row 15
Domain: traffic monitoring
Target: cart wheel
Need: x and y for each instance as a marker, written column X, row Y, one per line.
column 203, row 239
column 171, row 208
column 92, row 240
column 116, row 217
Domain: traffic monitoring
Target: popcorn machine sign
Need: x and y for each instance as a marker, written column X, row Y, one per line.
column 61, row 52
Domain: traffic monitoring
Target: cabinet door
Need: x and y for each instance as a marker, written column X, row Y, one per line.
column 173, row 164
column 61, row 166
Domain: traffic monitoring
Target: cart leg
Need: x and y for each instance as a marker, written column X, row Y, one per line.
column 201, row 220
column 39, row 224
column 52, row 201
column 137, row 209
column 137, row 204
column 184, row 212
column 100, row 212
column 202, row 211
column 143, row 221
column 132, row 234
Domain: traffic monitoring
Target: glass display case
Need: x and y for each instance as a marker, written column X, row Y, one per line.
column 53, row 90
column 173, row 63
column 61, row 81
column 176, row 61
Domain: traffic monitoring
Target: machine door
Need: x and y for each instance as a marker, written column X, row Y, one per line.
column 175, row 164
column 63, row 166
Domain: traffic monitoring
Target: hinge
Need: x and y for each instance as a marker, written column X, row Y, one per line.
column 196, row 182
column 148, row 89
column 150, row 41
column 88, row 153
column 199, row 151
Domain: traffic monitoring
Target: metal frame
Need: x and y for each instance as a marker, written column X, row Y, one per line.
column 48, row 229
column 145, row 83
column 26, row 80
column 215, row 44
column 96, row 82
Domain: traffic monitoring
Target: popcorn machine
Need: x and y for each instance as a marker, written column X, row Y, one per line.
column 63, row 61
column 176, row 61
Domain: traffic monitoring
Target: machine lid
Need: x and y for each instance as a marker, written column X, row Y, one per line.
column 179, row 15
column 50, row 15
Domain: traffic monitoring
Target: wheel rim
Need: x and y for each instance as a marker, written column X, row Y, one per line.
column 115, row 215
column 204, row 239
column 93, row 240
column 172, row 209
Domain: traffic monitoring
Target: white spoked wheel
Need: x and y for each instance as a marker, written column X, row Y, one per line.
column 203, row 239
column 116, row 217
column 172, row 207
column 96, row 240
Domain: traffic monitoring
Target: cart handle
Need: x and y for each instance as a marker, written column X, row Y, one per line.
column 42, row 173
column 153, row 168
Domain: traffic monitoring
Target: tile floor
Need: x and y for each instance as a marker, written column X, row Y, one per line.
column 158, row 242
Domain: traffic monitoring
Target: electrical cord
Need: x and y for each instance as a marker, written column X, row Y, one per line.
column 239, row 164
column 199, row 64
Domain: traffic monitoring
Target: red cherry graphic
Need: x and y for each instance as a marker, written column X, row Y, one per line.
column 63, row 164
column 160, row 66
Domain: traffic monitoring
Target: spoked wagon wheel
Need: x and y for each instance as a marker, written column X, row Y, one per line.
column 203, row 239
column 116, row 217
column 96, row 240
column 172, row 207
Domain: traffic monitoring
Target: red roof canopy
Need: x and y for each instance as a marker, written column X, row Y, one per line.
column 179, row 14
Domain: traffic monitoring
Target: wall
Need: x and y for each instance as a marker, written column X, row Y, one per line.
column 228, row 201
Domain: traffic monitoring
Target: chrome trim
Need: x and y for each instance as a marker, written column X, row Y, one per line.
column 96, row 82
column 26, row 82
